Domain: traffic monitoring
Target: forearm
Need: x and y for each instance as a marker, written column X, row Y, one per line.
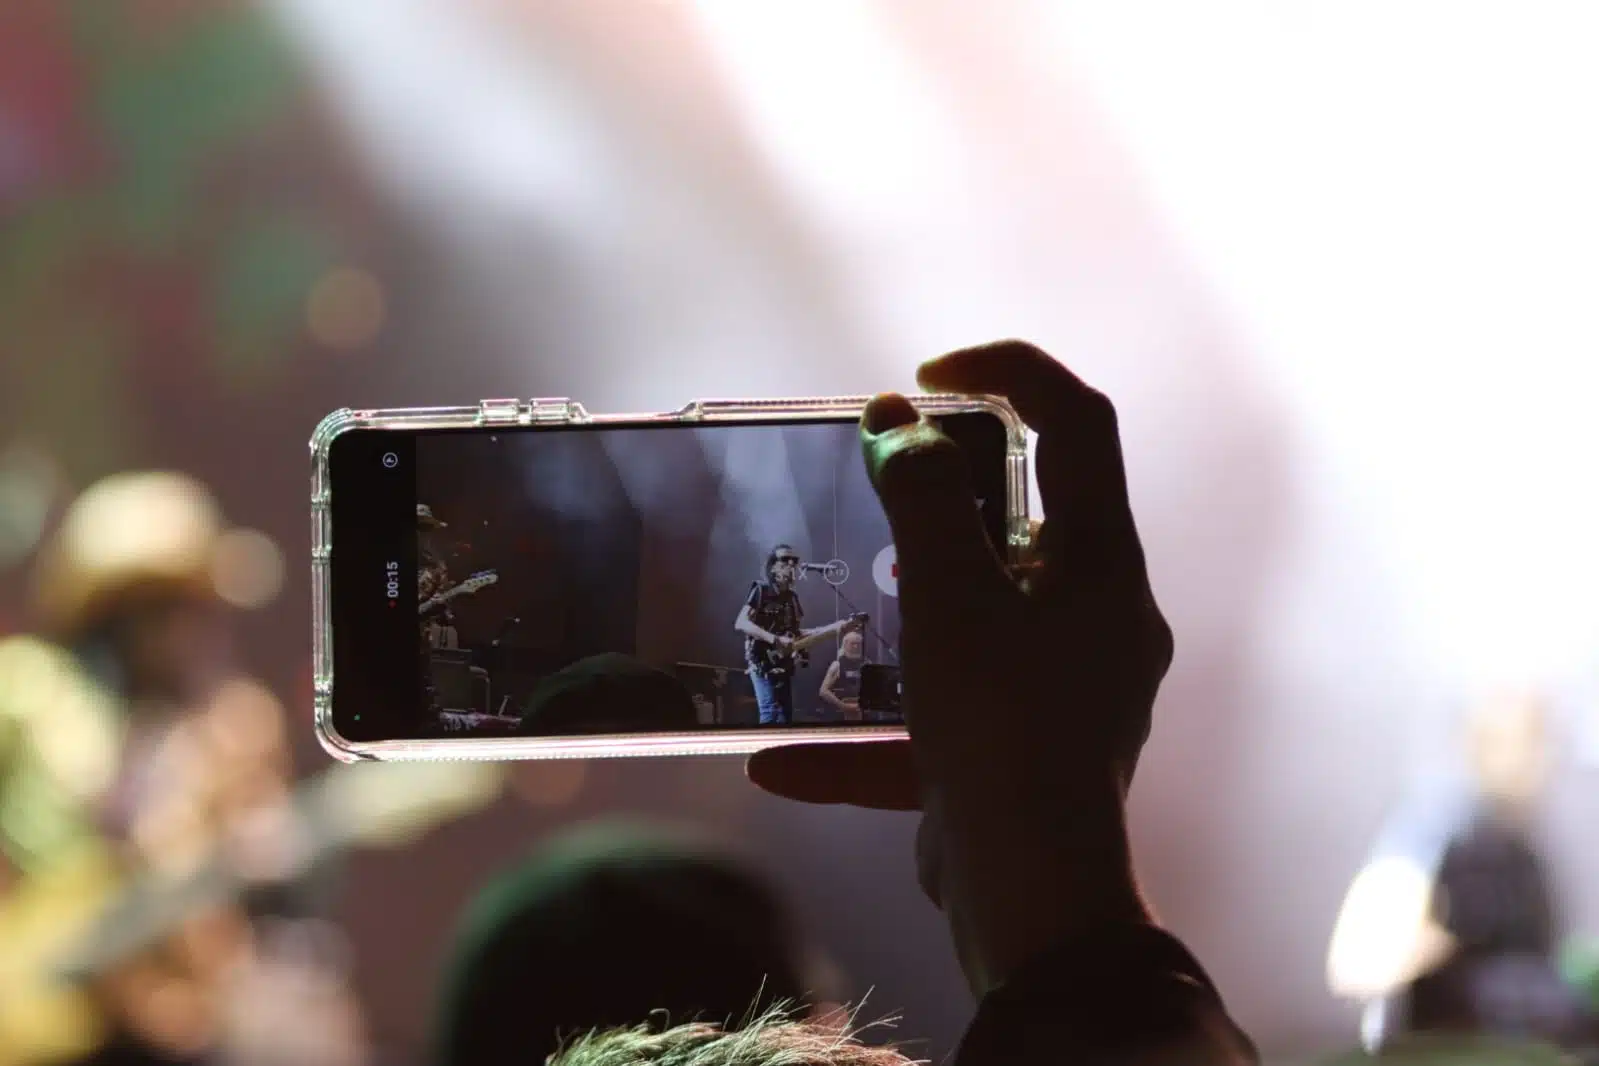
column 1012, row 888
column 750, row 629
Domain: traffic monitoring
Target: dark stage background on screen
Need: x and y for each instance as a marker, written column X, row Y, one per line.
column 646, row 541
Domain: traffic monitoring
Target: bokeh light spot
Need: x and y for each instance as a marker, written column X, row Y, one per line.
column 247, row 568
column 346, row 309
column 549, row 783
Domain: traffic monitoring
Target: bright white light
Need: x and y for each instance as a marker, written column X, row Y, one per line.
column 451, row 109
column 1384, row 935
column 1396, row 202
column 846, row 119
column 862, row 132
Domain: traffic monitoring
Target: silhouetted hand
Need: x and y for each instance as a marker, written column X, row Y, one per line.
column 1028, row 697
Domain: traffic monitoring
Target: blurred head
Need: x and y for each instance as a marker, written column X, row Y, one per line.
column 609, row 693
column 1508, row 745
column 129, row 537
column 852, row 645
column 141, row 565
column 782, row 564
column 612, row 926
column 770, row 1041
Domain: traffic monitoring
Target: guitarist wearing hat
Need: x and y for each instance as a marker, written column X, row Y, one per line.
column 774, row 640
column 434, row 593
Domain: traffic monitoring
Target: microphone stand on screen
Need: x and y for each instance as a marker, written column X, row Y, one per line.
column 835, row 572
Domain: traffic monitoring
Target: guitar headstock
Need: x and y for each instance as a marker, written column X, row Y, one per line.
column 479, row 580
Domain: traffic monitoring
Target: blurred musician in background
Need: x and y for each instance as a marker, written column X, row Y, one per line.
column 132, row 752
column 1453, row 925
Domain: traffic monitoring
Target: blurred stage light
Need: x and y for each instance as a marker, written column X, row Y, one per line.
column 1384, row 936
column 1407, row 256
column 869, row 149
column 451, row 111
column 247, row 568
column 346, row 309
column 1408, row 243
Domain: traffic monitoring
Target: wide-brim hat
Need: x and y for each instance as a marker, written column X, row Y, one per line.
column 144, row 535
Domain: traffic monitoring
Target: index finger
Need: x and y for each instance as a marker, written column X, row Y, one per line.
column 1081, row 475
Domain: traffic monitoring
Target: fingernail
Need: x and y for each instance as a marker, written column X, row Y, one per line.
column 888, row 411
column 927, row 375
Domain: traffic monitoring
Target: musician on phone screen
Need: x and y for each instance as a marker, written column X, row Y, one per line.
column 775, row 641
column 432, row 572
column 841, row 686
column 435, row 591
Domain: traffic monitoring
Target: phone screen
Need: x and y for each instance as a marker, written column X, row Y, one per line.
column 617, row 579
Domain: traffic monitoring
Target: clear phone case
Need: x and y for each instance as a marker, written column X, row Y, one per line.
column 554, row 413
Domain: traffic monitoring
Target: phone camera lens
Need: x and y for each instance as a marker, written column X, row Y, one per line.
column 391, row 460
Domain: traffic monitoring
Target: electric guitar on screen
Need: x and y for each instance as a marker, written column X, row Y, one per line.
column 779, row 660
column 479, row 580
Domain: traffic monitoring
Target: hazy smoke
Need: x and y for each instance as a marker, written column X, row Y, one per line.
column 566, row 474
column 743, row 473
column 760, row 500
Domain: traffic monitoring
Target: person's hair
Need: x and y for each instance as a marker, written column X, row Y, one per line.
column 772, row 1039
column 609, row 693
column 613, row 924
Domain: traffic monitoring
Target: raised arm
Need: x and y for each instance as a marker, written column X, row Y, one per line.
column 1024, row 843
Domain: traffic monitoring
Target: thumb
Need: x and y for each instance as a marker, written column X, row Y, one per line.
column 922, row 479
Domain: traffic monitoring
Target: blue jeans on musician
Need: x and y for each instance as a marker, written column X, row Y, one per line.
column 775, row 697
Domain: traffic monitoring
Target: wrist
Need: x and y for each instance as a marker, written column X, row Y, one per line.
column 1014, row 886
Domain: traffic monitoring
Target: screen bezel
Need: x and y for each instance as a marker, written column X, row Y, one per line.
column 376, row 656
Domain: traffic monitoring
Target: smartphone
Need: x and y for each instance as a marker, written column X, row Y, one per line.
column 522, row 579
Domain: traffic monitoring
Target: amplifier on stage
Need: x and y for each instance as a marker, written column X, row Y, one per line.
column 722, row 695
column 880, row 691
